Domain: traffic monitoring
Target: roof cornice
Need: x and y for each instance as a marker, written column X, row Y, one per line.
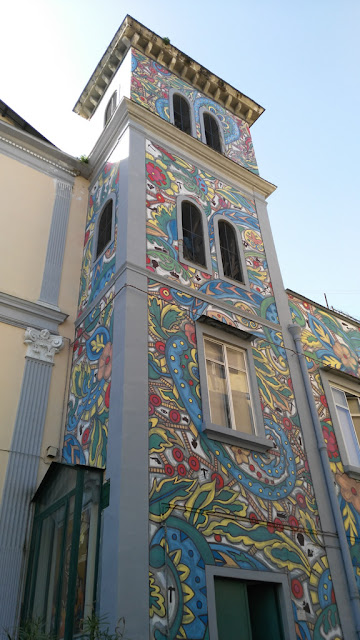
column 157, row 129
column 133, row 34
column 38, row 150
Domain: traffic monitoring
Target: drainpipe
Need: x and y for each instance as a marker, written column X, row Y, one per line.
column 344, row 549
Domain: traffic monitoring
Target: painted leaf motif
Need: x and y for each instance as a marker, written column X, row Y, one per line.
column 157, row 602
column 350, row 523
column 165, row 494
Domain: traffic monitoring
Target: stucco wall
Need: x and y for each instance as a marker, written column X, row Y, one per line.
column 12, row 350
column 27, row 203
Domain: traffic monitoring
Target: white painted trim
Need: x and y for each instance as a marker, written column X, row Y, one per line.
column 256, row 441
column 336, row 379
column 19, row 312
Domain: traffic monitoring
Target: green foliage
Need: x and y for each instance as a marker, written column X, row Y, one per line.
column 166, row 40
column 84, row 159
column 31, row 630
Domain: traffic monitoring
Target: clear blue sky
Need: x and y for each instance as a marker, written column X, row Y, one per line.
column 299, row 60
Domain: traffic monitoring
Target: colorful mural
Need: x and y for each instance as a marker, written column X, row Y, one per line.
column 150, row 87
column 96, row 275
column 86, row 426
column 332, row 342
column 216, row 504
column 169, row 176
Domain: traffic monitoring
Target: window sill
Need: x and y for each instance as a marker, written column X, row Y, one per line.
column 230, row 436
column 352, row 471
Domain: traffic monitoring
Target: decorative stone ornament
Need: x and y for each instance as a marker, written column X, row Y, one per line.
column 43, row 345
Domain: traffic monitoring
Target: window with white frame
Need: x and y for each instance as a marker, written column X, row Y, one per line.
column 347, row 405
column 228, row 387
column 230, row 399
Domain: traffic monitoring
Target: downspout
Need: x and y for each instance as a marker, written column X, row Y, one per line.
column 295, row 331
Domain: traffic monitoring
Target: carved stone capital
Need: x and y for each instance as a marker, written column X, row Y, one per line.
column 43, row 345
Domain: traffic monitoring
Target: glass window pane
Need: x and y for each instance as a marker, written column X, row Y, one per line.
column 214, row 351
column 181, row 113
column 339, row 397
column 350, row 439
column 65, row 572
column 212, row 134
column 193, row 236
column 219, row 403
column 105, row 228
column 236, row 359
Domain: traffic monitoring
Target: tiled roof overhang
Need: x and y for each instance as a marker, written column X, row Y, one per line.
column 133, row 34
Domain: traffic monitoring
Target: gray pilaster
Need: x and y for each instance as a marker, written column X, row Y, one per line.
column 22, row 468
column 124, row 562
column 56, row 244
column 322, row 497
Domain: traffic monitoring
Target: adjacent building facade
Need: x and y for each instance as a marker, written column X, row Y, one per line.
column 207, row 480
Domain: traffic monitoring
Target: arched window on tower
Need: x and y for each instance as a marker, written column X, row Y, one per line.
column 193, row 234
column 110, row 108
column 229, row 251
column 181, row 109
column 104, row 228
column 212, row 132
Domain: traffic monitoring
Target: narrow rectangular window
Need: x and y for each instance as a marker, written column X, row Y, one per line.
column 228, row 386
column 347, row 406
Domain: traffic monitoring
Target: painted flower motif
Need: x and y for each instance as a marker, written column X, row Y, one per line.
column 241, row 455
column 344, row 354
column 105, row 362
column 330, row 441
column 155, row 174
column 190, row 333
column 350, row 489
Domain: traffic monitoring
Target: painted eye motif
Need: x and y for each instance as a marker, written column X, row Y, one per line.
column 95, row 188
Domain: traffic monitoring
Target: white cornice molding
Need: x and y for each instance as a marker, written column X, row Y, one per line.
column 133, row 34
column 38, row 154
column 131, row 114
column 22, row 313
column 42, row 345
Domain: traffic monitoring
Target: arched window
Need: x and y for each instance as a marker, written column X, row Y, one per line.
column 105, row 228
column 229, row 251
column 212, row 132
column 182, row 119
column 193, row 234
column 111, row 106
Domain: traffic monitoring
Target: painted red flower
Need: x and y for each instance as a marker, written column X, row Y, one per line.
column 107, row 396
column 155, row 174
column 350, row 489
column 165, row 293
column 105, row 362
column 178, row 455
column 160, row 346
column 181, row 469
column 190, row 332
column 169, row 470
column 219, row 482
column 330, row 441
column 297, row 588
column 194, row 463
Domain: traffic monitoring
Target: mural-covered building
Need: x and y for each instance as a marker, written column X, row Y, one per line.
column 200, row 445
